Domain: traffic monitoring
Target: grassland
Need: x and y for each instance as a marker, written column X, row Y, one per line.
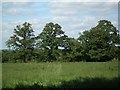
column 0, row 75
column 60, row 74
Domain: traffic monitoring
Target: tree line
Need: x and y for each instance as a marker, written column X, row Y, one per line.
column 100, row 43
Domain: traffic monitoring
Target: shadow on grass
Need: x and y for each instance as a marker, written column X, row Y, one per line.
column 78, row 83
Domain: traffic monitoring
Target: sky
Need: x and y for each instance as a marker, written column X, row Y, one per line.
column 74, row 16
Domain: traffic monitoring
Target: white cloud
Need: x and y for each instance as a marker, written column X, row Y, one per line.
column 15, row 8
column 60, row 0
column 62, row 8
column 86, row 0
column 15, row 0
column 72, row 25
column 23, row 9
column 60, row 19
column 34, row 21
column 25, row 0
column 77, row 17
column 72, row 8
column 13, row 11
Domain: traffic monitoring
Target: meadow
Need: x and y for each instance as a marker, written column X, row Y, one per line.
column 0, row 75
column 60, row 75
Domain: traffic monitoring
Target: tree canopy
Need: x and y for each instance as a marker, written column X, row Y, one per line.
column 100, row 43
column 51, row 40
column 23, row 41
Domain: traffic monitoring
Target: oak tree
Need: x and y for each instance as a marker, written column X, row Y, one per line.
column 22, row 41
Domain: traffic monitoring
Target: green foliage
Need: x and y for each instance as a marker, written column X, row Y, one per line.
column 99, row 43
column 74, row 51
column 23, row 41
column 7, row 55
column 51, row 39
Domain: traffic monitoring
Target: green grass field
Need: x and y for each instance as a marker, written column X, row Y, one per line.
column 0, row 75
column 60, row 74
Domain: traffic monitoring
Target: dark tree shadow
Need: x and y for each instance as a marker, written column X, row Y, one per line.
column 83, row 83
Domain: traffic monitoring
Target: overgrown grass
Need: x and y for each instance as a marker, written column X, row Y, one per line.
column 0, row 75
column 58, row 74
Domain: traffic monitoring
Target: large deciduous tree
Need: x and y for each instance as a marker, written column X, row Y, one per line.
column 22, row 41
column 52, row 41
column 99, row 44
